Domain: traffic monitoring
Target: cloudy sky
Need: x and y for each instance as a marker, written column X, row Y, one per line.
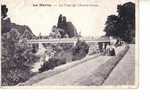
column 88, row 20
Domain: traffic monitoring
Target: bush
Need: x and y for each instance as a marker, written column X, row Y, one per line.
column 16, row 57
column 15, row 60
column 13, row 76
column 51, row 64
column 80, row 50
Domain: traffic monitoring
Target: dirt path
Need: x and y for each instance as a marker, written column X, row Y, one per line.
column 74, row 75
column 123, row 74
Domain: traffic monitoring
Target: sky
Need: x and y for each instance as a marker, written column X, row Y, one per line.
column 89, row 20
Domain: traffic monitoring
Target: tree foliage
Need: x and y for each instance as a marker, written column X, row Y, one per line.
column 68, row 27
column 15, row 59
column 123, row 24
column 80, row 50
column 16, row 53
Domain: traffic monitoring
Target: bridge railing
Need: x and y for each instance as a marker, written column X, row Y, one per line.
column 65, row 40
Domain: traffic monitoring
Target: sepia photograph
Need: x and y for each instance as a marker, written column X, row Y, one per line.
column 69, row 43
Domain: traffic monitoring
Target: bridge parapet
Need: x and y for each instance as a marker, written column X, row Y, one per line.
column 65, row 40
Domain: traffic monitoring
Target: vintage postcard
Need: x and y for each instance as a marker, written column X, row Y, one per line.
column 69, row 43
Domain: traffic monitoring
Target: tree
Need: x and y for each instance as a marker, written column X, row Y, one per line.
column 16, row 53
column 59, row 23
column 5, row 21
column 4, row 11
column 67, row 27
column 123, row 24
column 111, row 25
column 80, row 50
column 126, row 13
column 12, row 60
column 71, row 30
column 64, row 23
